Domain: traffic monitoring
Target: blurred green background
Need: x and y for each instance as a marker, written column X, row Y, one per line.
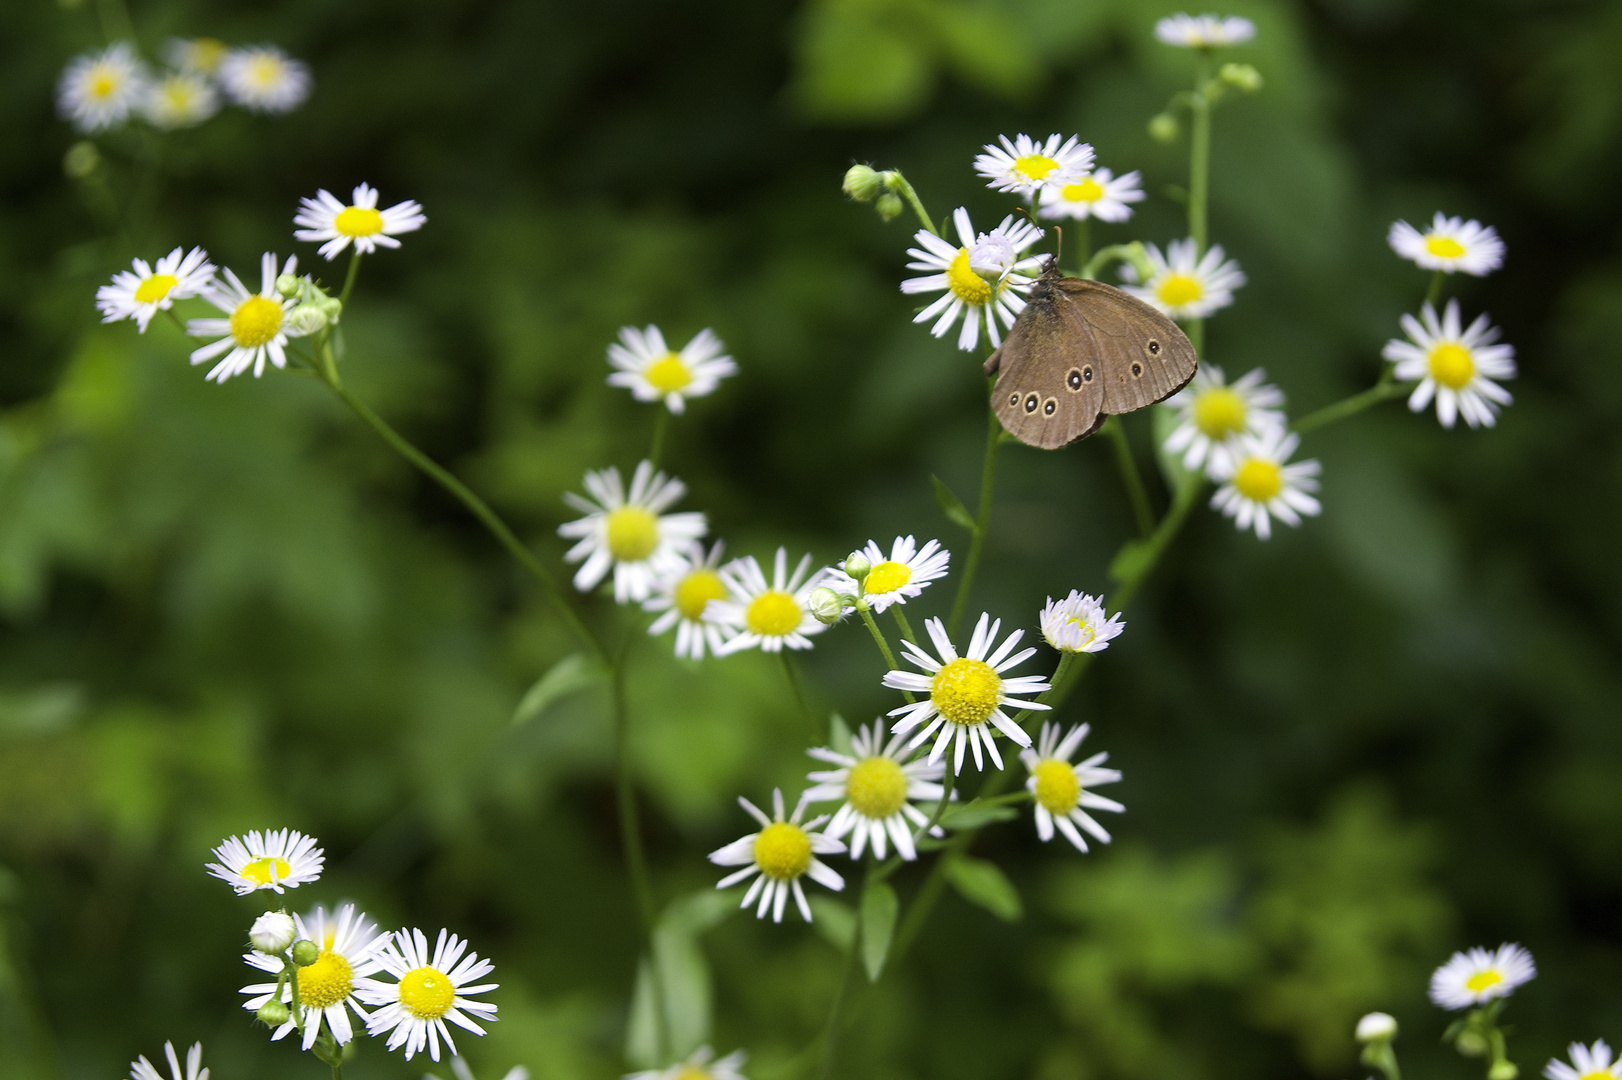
column 1388, row 734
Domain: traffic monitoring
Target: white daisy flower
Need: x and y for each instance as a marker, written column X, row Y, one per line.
column 782, row 852
column 1258, row 485
column 877, row 785
column 1061, row 792
column 430, row 990
column 1181, row 285
column 767, row 615
column 965, row 694
column 699, row 1067
column 1587, row 1063
column 1027, row 167
column 201, row 55
column 898, row 577
column 652, row 371
column 1100, row 194
column 1456, row 367
column 179, row 99
column 1479, row 976
column 984, row 280
column 683, row 594
column 1078, row 623
column 1216, row 414
column 1204, row 31
column 329, row 221
column 278, row 860
column 142, row 1069
column 264, row 79
column 628, row 532
column 327, row 988
column 99, row 90
column 141, row 294
column 255, row 326
column 1449, row 245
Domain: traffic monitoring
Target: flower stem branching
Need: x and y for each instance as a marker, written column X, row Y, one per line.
column 982, row 520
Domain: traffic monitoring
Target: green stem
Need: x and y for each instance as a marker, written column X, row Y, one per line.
column 636, row 859
column 1130, row 478
column 1083, row 242
column 1384, row 390
column 902, row 624
column 1199, row 155
column 799, row 695
column 661, row 424
column 115, row 21
column 899, row 183
column 878, row 635
column 945, row 800
column 836, row 1017
column 1433, row 294
column 349, row 278
column 982, row 521
column 1195, row 329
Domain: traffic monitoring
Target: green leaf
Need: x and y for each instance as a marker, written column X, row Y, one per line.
column 683, row 991
column 838, row 734
column 699, row 911
column 879, row 910
column 572, row 674
column 975, row 815
column 1130, row 562
column 834, row 920
column 642, row 1040
column 982, row 883
column 951, row 505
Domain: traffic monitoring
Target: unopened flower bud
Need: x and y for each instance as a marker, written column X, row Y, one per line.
column 1503, row 1070
column 1470, row 1043
column 1376, row 1027
column 289, row 285
column 305, row 953
column 857, row 565
column 331, row 307
column 273, row 1014
column 826, row 606
column 306, row 319
column 1164, row 128
column 863, row 183
column 81, row 160
column 273, row 932
column 1241, row 76
column 889, row 206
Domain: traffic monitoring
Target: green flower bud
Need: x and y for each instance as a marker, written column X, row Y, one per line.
column 863, row 183
column 274, row 1014
column 289, row 285
column 1241, row 77
column 305, row 953
column 81, row 160
column 1503, row 1070
column 825, row 604
column 857, row 565
column 1471, row 1043
column 273, row 932
column 889, row 206
column 1164, row 128
column 306, row 319
column 1376, row 1027
column 331, row 307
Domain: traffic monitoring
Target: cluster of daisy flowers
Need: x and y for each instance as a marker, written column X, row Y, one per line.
column 102, row 90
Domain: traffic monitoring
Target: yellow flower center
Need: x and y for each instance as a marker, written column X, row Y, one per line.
column 877, row 787
column 695, row 591
column 1179, row 289
column 358, row 221
column 1451, row 364
column 1088, row 634
column 326, row 982
column 179, row 94
column 1598, row 1074
column 266, row 71
column 633, row 533
column 886, row 577
column 1444, row 247
column 256, row 321
column 774, row 613
column 967, row 285
column 1219, row 413
column 1483, row 980
column 103, row 84
column 1035, row 166
column 1259, row 481
column 1057, row 788
column 966, row 691
column 1088, row 191
column 668, row 374
column 426, row 993
column 154, row 288
column 206, row 54
column 693, row 1072
column 260, row 871
column 783, row 851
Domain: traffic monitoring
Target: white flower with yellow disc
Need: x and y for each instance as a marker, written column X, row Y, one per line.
column 1078, row 623
column 1478, row 976
column 1450, row 244
column 782, row 852
column 965, row 695
column 1062, row 793
column 984, row 278
column 1025, row 167
column 180, row 99
column 335, row 224
column 699, row 1066
column 769, row 615
column 264, row 79
column 1260, row 483
column 896, row 578
column 877, row 786
column 629, row 532
column 347, row 941
column 142, row 1069
column 144, row 290
column 1455, row 366
column 1184, row 284
column 652, row 371
column 683, row 594
column 100, row 90
column 1215, row 414
column 274, row 859
column 1100, row 194
column 431, row 989
column 1204, row 31
column 201, row 55
column 1587, row 1063
column 255, row 327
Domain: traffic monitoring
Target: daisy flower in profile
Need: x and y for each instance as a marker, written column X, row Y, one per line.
column 272, row 859
column 202, row 55
column 1204, row 31
column 782, row 852
column 984, row 280
column 1259, row 483
column 327, row 988
column 1078, row 623
column 965, row 694
column 1449, row 245
column 1026, row 167
column 683, row 594
column 898, row 577
column 629, row 532
column 179, row 99
column 264, row 79
column 1183, row 286
column 431, row 989
column 143, row 291
column 1456, row 367
column 1100, row 194
column 142, row 1069
column 99, row 90
column 768, row 615
column 335, row 225
column 699, row 1067
column 1215, row 414
column 1061, row 791
column 877, row 785
column 1587, row 1063
column 1479, row 976
column 255, row 327
column 653, row 371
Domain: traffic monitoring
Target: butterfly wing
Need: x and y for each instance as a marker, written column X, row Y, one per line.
column 1143, row 356
column 1050, row 390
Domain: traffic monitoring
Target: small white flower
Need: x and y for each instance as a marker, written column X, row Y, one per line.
column 1258, row 485
column 142, row 1069
column 1479, row 976
column 628, row 531
column 264, row 79
column 145, row 292
column 699, row 1067
column 100, row 90
column 273, row 859
column 348, row 944
column 1100, row 194
column 201, row 55
column 430, row 990
column 965, row 694
column 767, row 615
column 328, row 221
column 652, row 371
column 876, row 785
column 1181, row 285
column 1449, row 245
column 782, row 852
column 179, row 99
column 1026, row 167
column 683, row 593
column 1216, row 414
column 1376, row 1027
column 1587, row 1063
column 255, row 327
column 1204, row 31
column 897, row 578
column 984, row 280
column 1456, row 367
column 1061, row 792
column 273, row 932
column 1078, row 623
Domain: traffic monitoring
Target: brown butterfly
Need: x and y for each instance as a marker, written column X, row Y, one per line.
column 1082, row 351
